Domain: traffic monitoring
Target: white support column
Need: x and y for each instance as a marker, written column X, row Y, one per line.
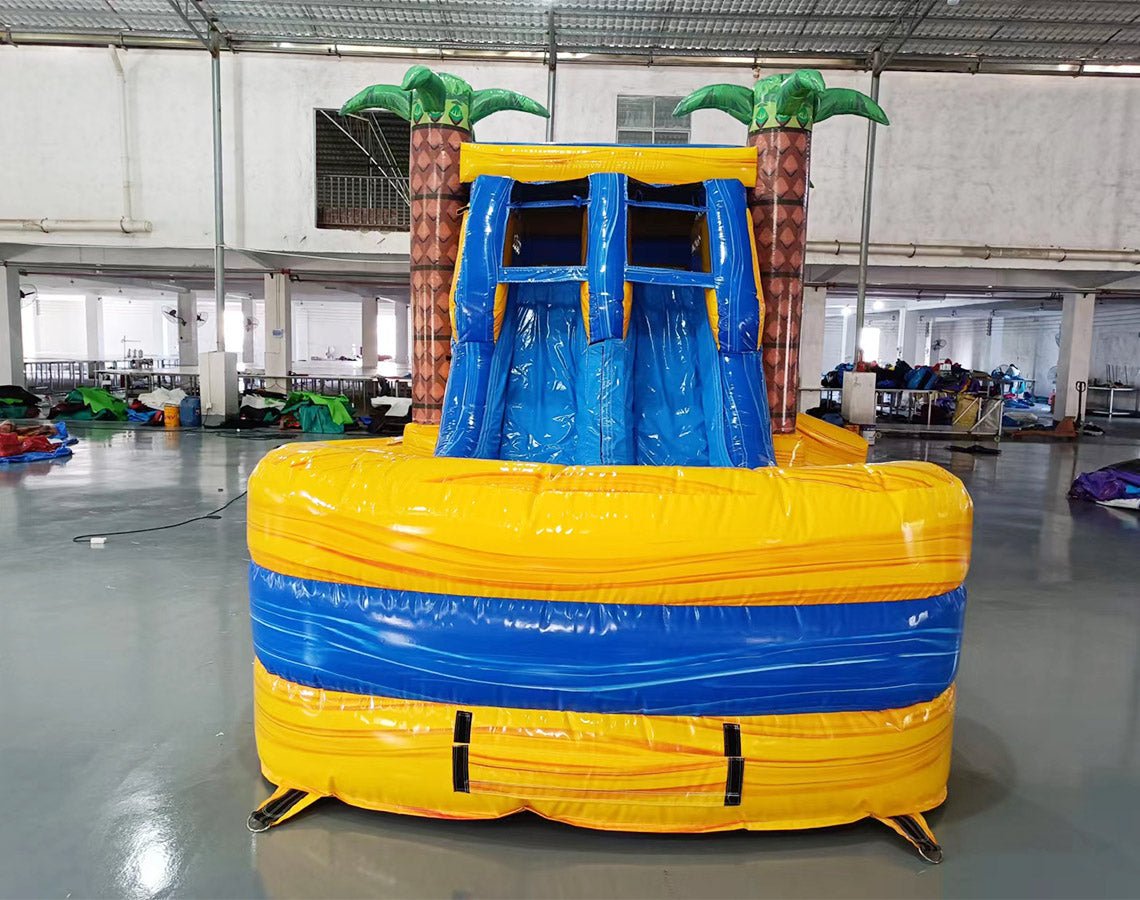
column 220, row 321
column 925, row 336
column 369, row 347
column 812, row 325
column 908, row 336
column 1076, row 350
column 403, row 330
column 93, row 317
column 995, row 335
column 187, row 328
column 247, row 324
column 278, row 330
column 11, row 329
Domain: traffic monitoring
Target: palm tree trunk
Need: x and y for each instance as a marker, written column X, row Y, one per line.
column 437, row 195
column 778, row 205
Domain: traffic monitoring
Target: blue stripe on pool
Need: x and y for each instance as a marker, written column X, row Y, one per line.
column 605, row 657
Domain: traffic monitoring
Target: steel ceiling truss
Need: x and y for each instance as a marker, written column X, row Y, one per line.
column 972, row 33
column 196, row 19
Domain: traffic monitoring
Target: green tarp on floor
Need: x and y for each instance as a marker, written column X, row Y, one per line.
column 100, row 404
column 317, row 413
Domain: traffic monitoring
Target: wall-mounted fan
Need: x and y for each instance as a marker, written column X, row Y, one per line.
column 938, row 344
column 172, row 314
column 251, row 323
column 30, row 293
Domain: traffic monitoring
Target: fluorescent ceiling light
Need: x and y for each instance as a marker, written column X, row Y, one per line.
column 1113, row 69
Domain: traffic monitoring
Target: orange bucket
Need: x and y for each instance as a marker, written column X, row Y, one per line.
column 170, row 416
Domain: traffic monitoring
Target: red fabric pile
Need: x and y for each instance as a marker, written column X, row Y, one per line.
column 14, row 441
column 14, row 444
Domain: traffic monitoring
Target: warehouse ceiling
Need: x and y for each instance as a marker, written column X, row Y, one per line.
column 976, row 35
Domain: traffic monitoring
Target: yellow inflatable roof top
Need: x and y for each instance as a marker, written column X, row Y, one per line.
column 562, row 162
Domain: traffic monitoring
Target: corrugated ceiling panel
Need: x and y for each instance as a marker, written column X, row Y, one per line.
column 1045, row 30
column 1042, row 10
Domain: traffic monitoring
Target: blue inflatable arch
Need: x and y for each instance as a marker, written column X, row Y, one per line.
column 578, row 339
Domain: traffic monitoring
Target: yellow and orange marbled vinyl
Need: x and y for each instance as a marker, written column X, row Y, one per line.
column 613, row 772
column 385, row 514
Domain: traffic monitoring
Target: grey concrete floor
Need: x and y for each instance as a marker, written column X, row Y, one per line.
column 128, row 767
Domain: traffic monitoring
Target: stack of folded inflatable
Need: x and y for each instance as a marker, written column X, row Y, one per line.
column 1115, row 485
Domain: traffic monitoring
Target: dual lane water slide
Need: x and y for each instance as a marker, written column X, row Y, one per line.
column 601, row 589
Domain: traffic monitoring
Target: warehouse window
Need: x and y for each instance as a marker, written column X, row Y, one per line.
column 872, row 339
column 649, row 120
column 362, row 171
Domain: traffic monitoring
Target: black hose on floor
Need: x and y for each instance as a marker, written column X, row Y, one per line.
column 214, row 514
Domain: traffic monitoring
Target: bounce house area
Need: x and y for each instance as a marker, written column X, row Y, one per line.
column 601, row 588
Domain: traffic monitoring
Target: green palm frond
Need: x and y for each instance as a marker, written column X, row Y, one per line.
column 730, row 98
column 487, row 102
column 440, row 98
column 456, row 86
column 797, row 90
column 846, row 102
column 798, row 99
column 765, row 88
column 380, row 96
column 429, row 87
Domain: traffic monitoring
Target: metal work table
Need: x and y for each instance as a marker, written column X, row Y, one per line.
column 977, row 415
column 185, row 377
column 1112, row 391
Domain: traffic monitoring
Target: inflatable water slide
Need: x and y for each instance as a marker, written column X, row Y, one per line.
column 605, row 576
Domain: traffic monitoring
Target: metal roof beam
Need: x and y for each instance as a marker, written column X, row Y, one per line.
column 967, row 18
column 913, row 61
column 101, row 39
column 111, row 8
column 510, row 10
column 218, row 38
column 1014, row 42
column 184, row 15
column 884, row 60
column 920, row 37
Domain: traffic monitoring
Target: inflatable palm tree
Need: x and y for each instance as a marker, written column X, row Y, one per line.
column 780, row 111
column 442, row 109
